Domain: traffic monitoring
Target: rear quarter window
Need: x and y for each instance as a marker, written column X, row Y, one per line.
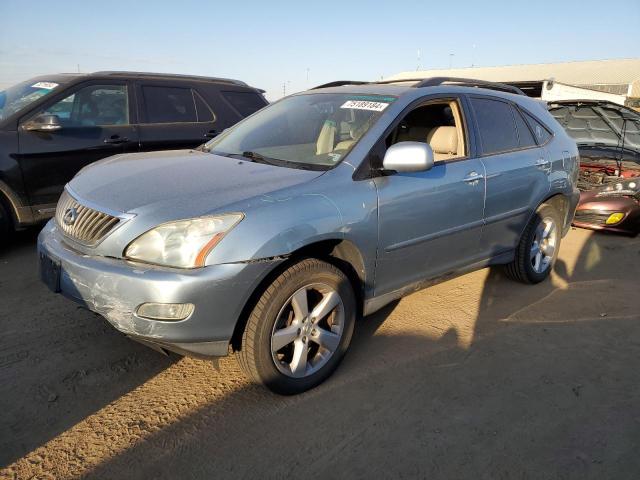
column 245, row 103
column 539, row 130
column 525, row 137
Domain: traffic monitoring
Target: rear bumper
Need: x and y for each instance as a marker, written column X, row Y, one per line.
column 114, row 288
column 574, row 199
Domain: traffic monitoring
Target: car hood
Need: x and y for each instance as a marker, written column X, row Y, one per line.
column 182, row 182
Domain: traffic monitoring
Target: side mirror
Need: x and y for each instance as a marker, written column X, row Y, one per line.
column 43, row 123
column 408, row 157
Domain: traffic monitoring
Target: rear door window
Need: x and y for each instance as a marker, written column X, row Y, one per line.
column 245, row 103
column 496, row 125
column 169, row 104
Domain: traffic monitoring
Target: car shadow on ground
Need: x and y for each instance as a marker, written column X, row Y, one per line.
column 58, row 363
column 519, row 381
column 476, row 377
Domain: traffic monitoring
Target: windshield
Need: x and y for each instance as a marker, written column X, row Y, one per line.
column 19, row 96
column 314, row 131
column 600, row 124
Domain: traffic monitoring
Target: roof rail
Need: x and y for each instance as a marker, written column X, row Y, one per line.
column 469, row 82
column 431, row 82
column 340, row 83
column 170, row 75
column 398, row 80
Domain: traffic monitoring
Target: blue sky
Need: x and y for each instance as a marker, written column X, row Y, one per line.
column 268, row 44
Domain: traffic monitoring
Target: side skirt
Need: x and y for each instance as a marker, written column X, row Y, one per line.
column 373, row 304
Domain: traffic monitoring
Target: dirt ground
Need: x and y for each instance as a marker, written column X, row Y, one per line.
column 477, row 377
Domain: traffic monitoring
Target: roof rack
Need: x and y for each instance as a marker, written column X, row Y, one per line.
column 432, row 82
column 340, row 83
column 170, row 75
column 469, row 82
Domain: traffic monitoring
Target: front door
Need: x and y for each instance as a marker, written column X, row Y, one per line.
column 96, row 123
column 430, row 222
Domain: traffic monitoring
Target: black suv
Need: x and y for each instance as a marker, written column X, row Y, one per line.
column 52, row 126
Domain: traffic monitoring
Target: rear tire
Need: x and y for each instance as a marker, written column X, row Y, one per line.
column 300, row 328
column 538, row 247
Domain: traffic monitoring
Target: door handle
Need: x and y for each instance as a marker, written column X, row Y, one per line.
column 211, row 134
column 543, row 163
column 473, row 177
column 115, row 139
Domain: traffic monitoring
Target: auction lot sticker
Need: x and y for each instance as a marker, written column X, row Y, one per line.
column 365, row 105
column 45, row 85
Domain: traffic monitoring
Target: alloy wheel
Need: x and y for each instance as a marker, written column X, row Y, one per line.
column 308, row 330
column 544, row 245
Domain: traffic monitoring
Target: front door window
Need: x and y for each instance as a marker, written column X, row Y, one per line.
column 92, row 106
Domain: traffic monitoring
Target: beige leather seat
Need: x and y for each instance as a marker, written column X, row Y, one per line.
column 355, row 133
column 444, row 142
column 326, row 139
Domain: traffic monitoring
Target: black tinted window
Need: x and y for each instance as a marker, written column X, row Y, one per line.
column 169, row 105
column 95, row 105
column 496, row 125
column 541, row 133
column 245, row 103
column 525, row 137
column 202, row 109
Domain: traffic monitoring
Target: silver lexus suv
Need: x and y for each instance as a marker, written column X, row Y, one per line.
column 269, row 240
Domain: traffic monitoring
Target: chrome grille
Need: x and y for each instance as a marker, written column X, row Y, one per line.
column 83, row 224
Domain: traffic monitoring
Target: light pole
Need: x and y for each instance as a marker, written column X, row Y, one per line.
column 284, row 87
column 451, row 59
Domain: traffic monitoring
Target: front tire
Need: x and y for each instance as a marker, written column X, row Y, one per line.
column 538, row 248
column 6, row 225
column 300, row 328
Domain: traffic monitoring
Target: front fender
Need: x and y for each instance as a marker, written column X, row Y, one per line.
column 275, row 227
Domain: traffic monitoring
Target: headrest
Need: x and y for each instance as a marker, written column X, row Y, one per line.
column 443, row 140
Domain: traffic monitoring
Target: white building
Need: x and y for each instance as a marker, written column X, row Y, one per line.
column 615, row 80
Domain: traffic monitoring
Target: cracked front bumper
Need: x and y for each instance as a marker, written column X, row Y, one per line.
column 114, row 288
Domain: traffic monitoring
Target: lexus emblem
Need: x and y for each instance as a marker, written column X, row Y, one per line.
column 70, row 216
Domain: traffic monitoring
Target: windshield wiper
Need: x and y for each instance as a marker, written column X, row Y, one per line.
column 256, row 157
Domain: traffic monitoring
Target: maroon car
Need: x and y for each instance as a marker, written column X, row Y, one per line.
column 608, row 138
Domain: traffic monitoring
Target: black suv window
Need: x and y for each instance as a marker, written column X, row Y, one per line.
column 525, row 137
column 169, row 104
column 202, row 109
column 245, row 103
column 496, row 125
column 95, row 105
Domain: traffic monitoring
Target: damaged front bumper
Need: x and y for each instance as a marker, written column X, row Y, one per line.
column 115, row 288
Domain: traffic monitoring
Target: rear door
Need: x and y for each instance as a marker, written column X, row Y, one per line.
column 97, row 121
column 173, row 116
column 517, row 172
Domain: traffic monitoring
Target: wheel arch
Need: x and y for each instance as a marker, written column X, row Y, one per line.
column 12, row 203
column 559, row 201
column 341, row 253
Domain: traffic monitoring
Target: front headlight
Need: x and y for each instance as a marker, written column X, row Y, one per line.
column 182, row 244
column 628, row 187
